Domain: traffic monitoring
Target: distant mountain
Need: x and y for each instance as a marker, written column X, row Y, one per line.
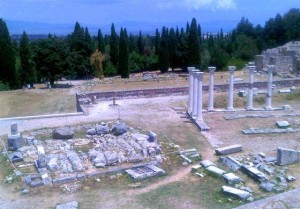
column 38, row 28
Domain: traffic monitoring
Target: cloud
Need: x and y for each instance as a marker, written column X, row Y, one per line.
column 198, row 4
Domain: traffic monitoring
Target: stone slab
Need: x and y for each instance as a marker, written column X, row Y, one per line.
column 282, row 124
column 231, row 178
column 206, row 163
column 230, row 162
column 287, row 156
column 215, row 170
column 229, row 149
column 244, row 195
column 63, row 180
column 254, row 173
column 143, row 172
column 69, row 205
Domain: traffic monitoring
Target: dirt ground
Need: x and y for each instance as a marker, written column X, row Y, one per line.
column 165, row 116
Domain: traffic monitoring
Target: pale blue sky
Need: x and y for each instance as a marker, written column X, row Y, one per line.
column 171, row 12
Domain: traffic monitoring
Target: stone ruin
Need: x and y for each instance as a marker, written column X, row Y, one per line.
column 286, row 59
column 106, row 149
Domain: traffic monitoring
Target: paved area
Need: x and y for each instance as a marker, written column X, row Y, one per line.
column 286, row 200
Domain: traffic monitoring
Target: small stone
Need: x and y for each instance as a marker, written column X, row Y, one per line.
column 267, row 186
column 25, row 191
column 290, row 178
column 250, row 199
column 185, row 163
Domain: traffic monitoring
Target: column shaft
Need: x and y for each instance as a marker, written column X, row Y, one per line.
column 250, row 90
column 269, row 88
column 230, row 92
column 191, row 81
column 199, row 101
column 211, row 89
column 195, row 95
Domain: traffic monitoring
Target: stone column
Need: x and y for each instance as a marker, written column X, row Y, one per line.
column 199, row 76
column 211, row 88
column 191, row 79
column 195, row 94
column 230, row 92
column 269, row 90
column 250, row 90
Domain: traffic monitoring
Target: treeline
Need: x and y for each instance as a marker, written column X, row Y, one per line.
column 80, row 55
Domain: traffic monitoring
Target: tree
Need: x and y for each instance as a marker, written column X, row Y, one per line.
column 101, row 44
column 163, row 58
column 140, row 44
column 292, row 24
column 157, row 42
column 50, row 58
column 27, row 71
column 194, row 58
column 8, row 73
column 114, row 48
column 123, row 68
column 96, row 60
column 172, row 47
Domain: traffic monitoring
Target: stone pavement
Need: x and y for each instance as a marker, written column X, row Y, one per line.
column 286, row 200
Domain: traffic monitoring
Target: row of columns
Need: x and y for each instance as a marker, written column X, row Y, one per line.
column 196, row 83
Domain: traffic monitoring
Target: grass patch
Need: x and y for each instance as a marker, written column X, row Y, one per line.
column 193, row 193
column 239, row 63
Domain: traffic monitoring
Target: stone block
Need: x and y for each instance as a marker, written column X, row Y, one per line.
column 282, row 124
column 152, row 137
column 63, row 180
column 14, row 141
column 232, row 178
column 81, row 176
column 244, row 195
column 231, row 163
column 14, row 129
column 267, row 186
column 69, row 205
column 95, row 174
column 284, row 91
column 206, row 163
column 143, row 172
column 242, row 93
column 63, row 133
column 229, row 149
column 254, row 173
column 287, row 156
column 15, row 157
column 215, row 170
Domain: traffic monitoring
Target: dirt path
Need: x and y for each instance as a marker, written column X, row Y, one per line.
column 170, row 179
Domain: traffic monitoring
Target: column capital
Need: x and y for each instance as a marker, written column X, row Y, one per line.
column 211, row 70
column 231, row 69
column 199, row 75
column 251, row 68
column 271, row 68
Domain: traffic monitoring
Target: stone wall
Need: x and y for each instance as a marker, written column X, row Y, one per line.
column 180, row 90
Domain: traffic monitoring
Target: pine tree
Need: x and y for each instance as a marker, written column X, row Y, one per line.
column 114, row 48
column 8, row 72
column 123, row 68
column 163, row 58
column 27, row 71
column 194, row 58
column 101, row 44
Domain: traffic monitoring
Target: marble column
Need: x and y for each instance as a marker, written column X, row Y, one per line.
column 269, row 88
column 195, row 94
column 199, row 116
column 250, row 89
column 230, row 92
column 211, row 88
column 191, row 80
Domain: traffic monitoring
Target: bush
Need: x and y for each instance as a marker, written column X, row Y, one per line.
column 4, row 86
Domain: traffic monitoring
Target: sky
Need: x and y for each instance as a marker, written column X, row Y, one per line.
column 142, row 13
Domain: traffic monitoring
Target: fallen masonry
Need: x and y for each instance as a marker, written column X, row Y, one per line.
column 244, row 195
column 269, row 130
column 143, row 172
column 230, row 162
column 232, row 178
column 254, row 173
column 215, row 170
column 287, row 156
column 229, row 149
column 69, row 205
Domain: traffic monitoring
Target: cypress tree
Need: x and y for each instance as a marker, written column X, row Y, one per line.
column 194, row 58
column 123, row 68
column 163, row 58
column 101, row 44
column 8, row 72
column 172, row 47
column 114, row 48
column 157, row 42
column 27, row 71
column 140, row 44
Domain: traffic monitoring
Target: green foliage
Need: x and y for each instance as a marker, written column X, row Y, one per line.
column 194, row 58
column 164, row 52
column 138, row 62
column 123, row 68
column 8, row 73
column 110, row 70
column 4, row 86
column 101, row 44
column 114, row 47
column 27, row 70
column 239, row 63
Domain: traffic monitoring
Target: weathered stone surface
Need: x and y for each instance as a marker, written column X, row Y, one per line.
column 140, row 138
column 119, row 129
column 100, row 129
column 290, row 178
column 91, row 131
column 111, row 158
column 152, row 137
column 231, row 163
column 142, row 172
column 14, row 141
column 282, row 124
column 15, row 157
column 65, row 179
column 254, row 173
column 75, row 161
column 97, row 157
column 232, row 178
column 229, row 149
column 135, row 158
column 206, row 163
column 236, row 192
column 69, row 205
column 267, row 186
column 63, row 133
column 53, row 165
column 215, row 170
column 287, row 156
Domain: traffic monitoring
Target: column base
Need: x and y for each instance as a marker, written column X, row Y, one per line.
column 269, row 108
column 199, row 119
column 249, row 108
column 230, row 109
column 211, row 109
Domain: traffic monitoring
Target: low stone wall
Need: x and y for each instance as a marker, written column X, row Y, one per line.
column 178, row 90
